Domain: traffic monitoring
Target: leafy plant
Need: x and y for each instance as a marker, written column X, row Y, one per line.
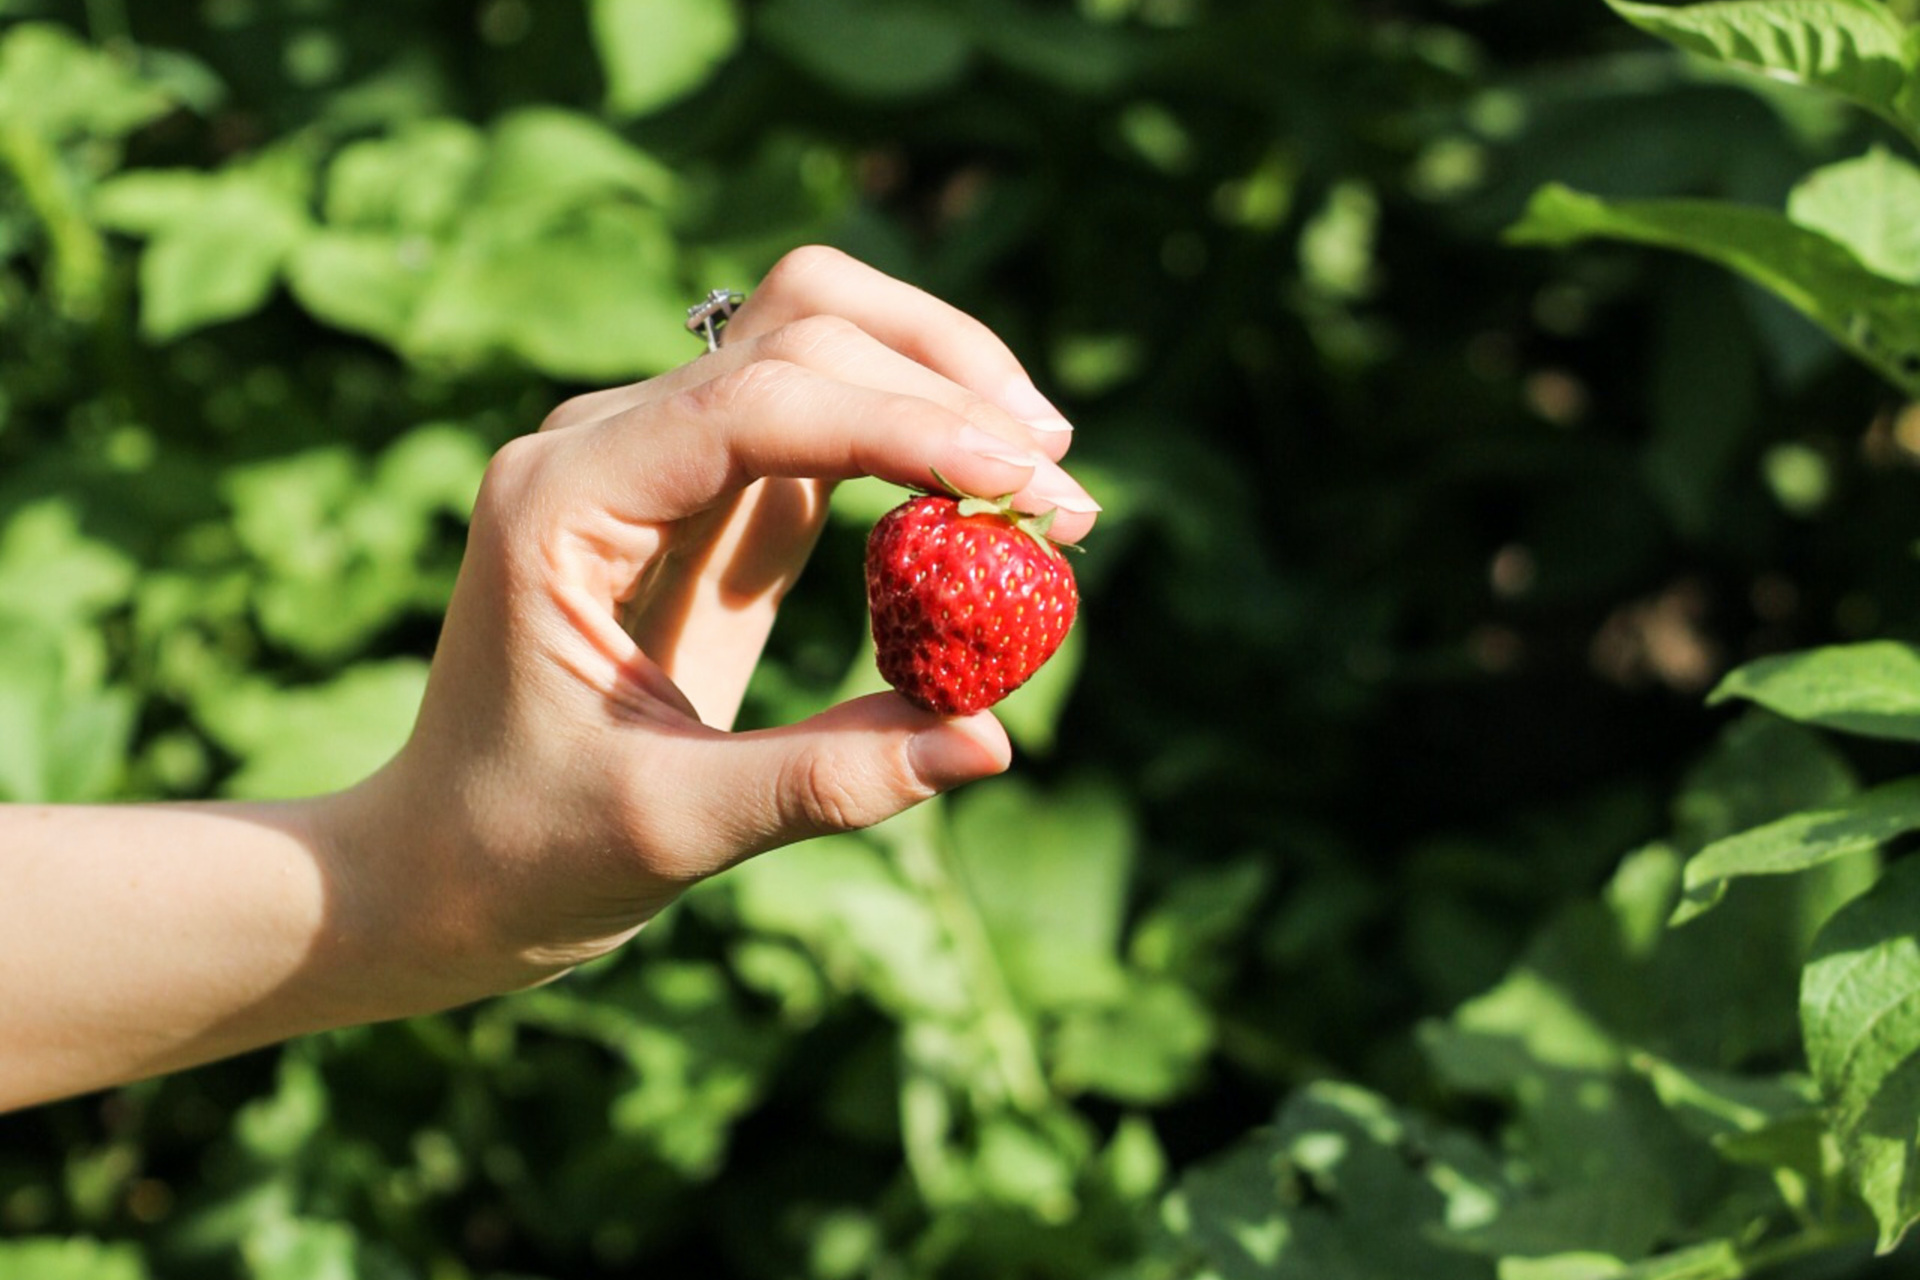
column 1843, row 254
column 1314, row 950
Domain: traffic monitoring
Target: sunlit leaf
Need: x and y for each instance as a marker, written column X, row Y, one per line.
column 1760, row 768
column 416, row 180
column 1875, row 318
column 73, row 1258
column 339, row 553
column 1860, row 1012
column 1871, row 205
column 51, row 570
column 1871, row 688
column 865, row 927
column 278, row 1126
column 1049, row 875
column 595, row 295
column 1855, row 48
column 542, row 160
column 656, row 51
column 1032, row 712
column 290, row 1248
column 1563, row 1266
column 63, row 733
column 1715, row 1103
column 695, row 1060
column 1341, row 1184
column 1142, row 1048
column 307, row 740
column 366, row 282
column 216, row 242
column 1801, row 841
column 56, row 84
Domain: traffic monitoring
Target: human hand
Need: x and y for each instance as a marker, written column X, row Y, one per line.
column 571, row 770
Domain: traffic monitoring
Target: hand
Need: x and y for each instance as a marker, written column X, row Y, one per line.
column 571, row 772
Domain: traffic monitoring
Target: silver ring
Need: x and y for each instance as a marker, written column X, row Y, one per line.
column 709, row 317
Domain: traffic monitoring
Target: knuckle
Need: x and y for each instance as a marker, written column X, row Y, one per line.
column 503, row 511
column 797, row 264
column 983, row 413
column 812, row 339
column 828, row 794
column 511, row 473
column 748, row 385
column 566, row 413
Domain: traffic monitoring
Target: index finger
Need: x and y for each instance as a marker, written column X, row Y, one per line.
column 816, row 280
column 670, row 459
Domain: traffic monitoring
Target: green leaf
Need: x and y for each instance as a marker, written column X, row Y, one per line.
column 864, row 499
column 339, row 549
column 1871, row 688
column 1714, row 1104
column 1049, row 874
column 1711, row 1260
column 1061, row 47
column 1854, row 48
column 1760, row 768
column 1342, row 1185
column 1194, row 931
column 1871, row 205
column 366, row 282
column 865, row 928
column 1563, row 1266
column 281, row 1125
column 1875, row 318
column 1860, row 1014
column 216, row 242
column 595, row 295
column 657, row 51
column 52, row 571
column 871, row 48
column 63, row 735
column 311, row 739
column 1142, row 1048
column 1527, row 1022
column 696, row 1060
column 1801, row 841
column 289, row 1248
column 71, row 1259
column 54, row 84
column 1031, row 713
column 544, row 160
column 418, row 180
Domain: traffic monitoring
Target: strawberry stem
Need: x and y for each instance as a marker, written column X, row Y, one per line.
column 972, row 504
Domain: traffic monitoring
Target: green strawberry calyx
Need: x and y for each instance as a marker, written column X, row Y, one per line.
column 1034, row 526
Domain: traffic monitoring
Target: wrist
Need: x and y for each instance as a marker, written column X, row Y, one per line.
column 423, row 910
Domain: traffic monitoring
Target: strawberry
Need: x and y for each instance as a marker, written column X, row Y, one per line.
column 968, row 596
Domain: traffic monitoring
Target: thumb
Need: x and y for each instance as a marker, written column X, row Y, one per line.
column 849, row 767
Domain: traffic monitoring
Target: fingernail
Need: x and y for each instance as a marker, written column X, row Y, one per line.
column 1023, row 400
column 1051, row 484
column 985, row 444
column 944, row 758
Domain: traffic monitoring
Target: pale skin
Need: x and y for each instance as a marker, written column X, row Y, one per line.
column 572, row 770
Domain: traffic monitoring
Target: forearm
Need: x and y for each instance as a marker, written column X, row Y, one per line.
column 139, row 939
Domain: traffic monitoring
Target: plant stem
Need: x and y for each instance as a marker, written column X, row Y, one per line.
column 79, row 252
column 926, row 857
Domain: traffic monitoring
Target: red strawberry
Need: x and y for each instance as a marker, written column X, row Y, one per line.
column 969, row 598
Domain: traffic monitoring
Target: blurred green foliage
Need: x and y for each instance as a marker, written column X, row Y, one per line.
column 1323, row 927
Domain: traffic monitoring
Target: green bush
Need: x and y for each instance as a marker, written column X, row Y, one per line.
column 1379, row 891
